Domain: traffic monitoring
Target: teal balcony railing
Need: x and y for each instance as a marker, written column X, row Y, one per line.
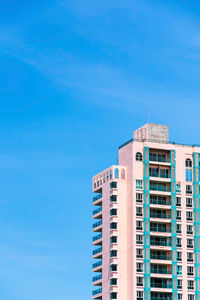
column 159, row 175
column 153, row 157
column 96, row 292
column 96, row 278
column 161, row 257
column 156, row 229
column 159, row 201
column 97, row 224
column 159, row 188
column 161, row 285
column 97, row 197
column 97, row 264
column 161, row 271
column 159, row 216
column 97, row 237
column 161, row 298
column 96, row 211
column 160, row 243
column 98, row 250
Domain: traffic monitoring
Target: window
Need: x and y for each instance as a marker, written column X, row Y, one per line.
column 139, row 281
column 139, row 184
column 113, row 185
column 178, row 228
column 179, row 283
column 113, row 253
column 178, row 201
column 113, row 268
column 113, row 225
column 190, row 297
column 139, row 267
column 180, row 296
column 178, row 215
column 138, row 156
column 113, row 295
column 179, row 256
column 116, row 173
column 113, row 198
column 188, row 175
column 188, row 189
column 140, row 295
column 138, row 197
column 188, row 163
column 178, row 188
column 139, row 239
column 113, row 239
column 190, row 271
column 139, row 211
column 113, row 212
column 189, row 229
column 188, row 202
column 179, row 270
column 113, row 281
column 139, row 253
column 190, row 284
column 138, row 225
column 189, row 256
column 189, row 215
column 189, row 243
column 179, row 242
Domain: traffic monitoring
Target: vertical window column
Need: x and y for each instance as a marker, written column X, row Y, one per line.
column 173, row 224
column 196, row 222
column 147, row 271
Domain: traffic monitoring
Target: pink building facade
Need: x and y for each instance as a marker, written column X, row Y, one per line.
column 147, row 221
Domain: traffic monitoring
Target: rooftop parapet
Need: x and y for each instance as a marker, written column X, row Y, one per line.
column 152, row 132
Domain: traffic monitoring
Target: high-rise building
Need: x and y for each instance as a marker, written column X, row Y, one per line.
column 147, row 221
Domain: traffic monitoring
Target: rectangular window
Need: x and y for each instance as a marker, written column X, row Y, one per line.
column 139, row 225
column 179, row 283
column 139, row 184
column 190, row 284
column 140, row 295
column 113, row 281
column 189, row 243
column 139, row 267
column 188, row 189
column 180, row 296
column 139, row 211
column 189, row 229
column 188, row 202
column 190, row 297
column 190, row 256
column 113, row 239
column 139, row 253
column 139, row 281
column 113, row 253
column 178, row 188
column 179, row 242
column 190, row 271
column 178, row 215
column 179, row 256
column 178, row 228
column 189, row 215
column 138, row 197
column 179, row 270
column 113, row 212
column 139, row 239
column 113, row 268
column 113, row 295
column 113, row 225
column 113, row 198
column 178, row 201
column 113, row 185
column 188, row 174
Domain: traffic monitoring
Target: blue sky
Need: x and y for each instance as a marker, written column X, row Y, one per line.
column 76, row 79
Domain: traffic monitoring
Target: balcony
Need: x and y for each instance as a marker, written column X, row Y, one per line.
column 161, row 285
column 97, row 213
column 159, row 201
column 95, row 293
column 97, row 253
column 160, row 188
column 158, row 158
column 161, row 257
column 161, row 271
column 160, row 243
column 160, row 215
column 97, row 264
column 96, row 278
column 97, row 239
column 97, row 197
column 161, row 229
column 96, row 226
